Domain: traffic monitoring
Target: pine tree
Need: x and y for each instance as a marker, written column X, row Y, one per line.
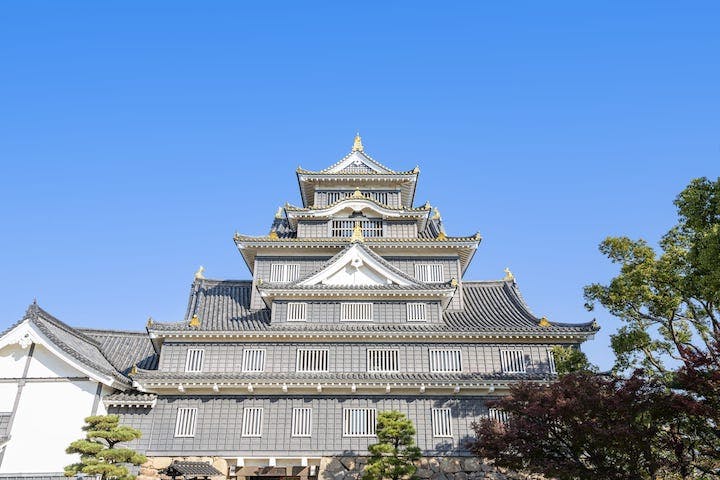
column 395, row 454
column 99, row 453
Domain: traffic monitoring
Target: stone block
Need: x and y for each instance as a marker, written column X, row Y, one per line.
column 348, row 462
column 450, row 465
column 221, row 464
column 471, row 464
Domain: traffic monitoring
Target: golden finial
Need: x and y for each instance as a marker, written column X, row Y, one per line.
column 426, row 206
column 357, row 193
column 357, row 235
column 544, row 322
column 357, row 145
column 279, row 213
column 416, row 169
column 273, row 235
column 194, row 321
column 453, row 282
column 199, row 274
column 436, row 214
column 134, row 370
column 441, row 236
column 149, row 322
column 509, row 277
column 236, row 237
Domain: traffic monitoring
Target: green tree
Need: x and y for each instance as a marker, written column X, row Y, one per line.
column 99, row 451
column 395, row 454
column 571, row 359
column 669, row 301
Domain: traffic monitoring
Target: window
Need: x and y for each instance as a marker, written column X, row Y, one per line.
column 301, row 422
column 312, row 360
column 333, row 197
column 430, row 272
column 356, row 312
column 194, row 360
column 359, row 422
column 345, row 228
column 416, row 312
column 445, row 361
column 441, row 422
column 512, row 361
column 185, row 423
column 382, row 360
column 296, row 312
column 253, row 360
column 284, row 272
column 498, row 415
column 252, row 422
column 551, row 360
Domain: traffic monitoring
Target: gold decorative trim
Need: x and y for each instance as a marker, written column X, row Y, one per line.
column 544, row 322
column 194, row 321
column 509, row 277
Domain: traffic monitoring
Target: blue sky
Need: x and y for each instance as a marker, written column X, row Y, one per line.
column 136, row 137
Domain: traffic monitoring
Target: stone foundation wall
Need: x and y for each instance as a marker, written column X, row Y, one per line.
column 351, row 468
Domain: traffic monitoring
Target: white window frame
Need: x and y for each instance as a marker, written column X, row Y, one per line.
column 194, row 359
column 551, row 361
column 442, row 360
column 348, row 311
column 252, row 422
column 322, row 360
column 430, row 272
column 442, row 422
column 284, row 272
column 498, row 415
column 301, row 422
column 513, row 361
column 357, row 427
column 386, row 357
column 296, row 312
column 251, row 356
column 416, row 312
column 185, row 422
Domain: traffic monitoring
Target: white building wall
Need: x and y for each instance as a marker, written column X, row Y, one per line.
column 12, row 361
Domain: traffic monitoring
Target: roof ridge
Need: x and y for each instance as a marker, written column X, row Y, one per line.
column 48, row 317
column 111, row 331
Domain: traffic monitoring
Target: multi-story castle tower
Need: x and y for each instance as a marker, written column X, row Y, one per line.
column 357, row 304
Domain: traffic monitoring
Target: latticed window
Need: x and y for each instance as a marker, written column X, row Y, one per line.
column 512, row 361
column 333, row 197
column 382, row 360
column 380, row 197
column 194, row 360
column 430, row 272
column 445, row 361
column 252, row 422
column 359, row 422
column 551, row 360
column 498, row 415
column 185, row 422
column 312, row 360
column 253, row 360
column 301, row 422
column 416, row 312
column 284, row 272
column 356, row 312
column 441, row 422
column 345, row 228
column 296, row 312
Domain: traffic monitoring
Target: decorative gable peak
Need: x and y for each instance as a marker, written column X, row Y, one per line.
column 357, row 145
column 357, row 265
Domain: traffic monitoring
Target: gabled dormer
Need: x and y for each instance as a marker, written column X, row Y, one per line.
column 357, row 170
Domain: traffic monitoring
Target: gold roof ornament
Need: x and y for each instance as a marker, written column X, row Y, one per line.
column 194, row 321
column 149, row 322
column 357, row 235
column 273, row 235
column 357, row 193
column 453, row 282
column 509, row 277
column 441, row 236
column 199, row 274
column 134, row 370
column 279, row 213
column 544, row 322
column 236, row 237
column 436, row 214
column 357, row 144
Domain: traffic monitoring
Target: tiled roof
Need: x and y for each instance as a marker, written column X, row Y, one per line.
column 489, row 307
column 124, row 349
column 123, row 399
column 75, row 343
column 191, row 469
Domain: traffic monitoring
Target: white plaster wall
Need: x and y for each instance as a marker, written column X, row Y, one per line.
column 44, row 364
column 7, row 396
column 49, row 417
column 12, row 361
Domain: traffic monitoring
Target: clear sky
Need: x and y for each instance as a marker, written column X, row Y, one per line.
column 136, row 137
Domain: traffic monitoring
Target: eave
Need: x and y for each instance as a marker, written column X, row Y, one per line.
column 308, row 182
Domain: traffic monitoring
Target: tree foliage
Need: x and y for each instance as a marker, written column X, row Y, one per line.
column 99, row 452
column 587, row 425
column 395, row 454
column 570, row 359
